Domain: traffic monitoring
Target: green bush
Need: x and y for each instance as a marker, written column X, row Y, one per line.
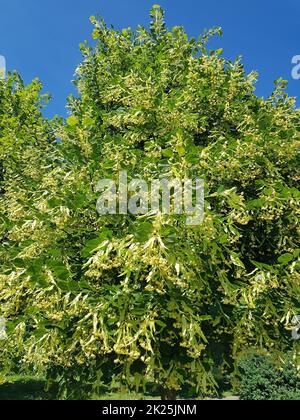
column 262, row 379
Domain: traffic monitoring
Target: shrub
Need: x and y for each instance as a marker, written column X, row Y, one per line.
column 263, row 379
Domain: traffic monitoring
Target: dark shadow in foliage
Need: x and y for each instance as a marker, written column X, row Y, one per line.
column 31, row 389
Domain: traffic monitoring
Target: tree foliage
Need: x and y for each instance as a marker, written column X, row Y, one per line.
column 133, row 301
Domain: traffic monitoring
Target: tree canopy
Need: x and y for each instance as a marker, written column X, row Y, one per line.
column 130, row 301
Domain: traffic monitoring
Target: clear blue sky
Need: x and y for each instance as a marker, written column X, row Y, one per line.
column 41, row 38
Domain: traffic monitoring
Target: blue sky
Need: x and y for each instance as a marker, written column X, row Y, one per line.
column 41, row 38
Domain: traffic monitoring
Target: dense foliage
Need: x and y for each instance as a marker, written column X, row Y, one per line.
column 26, row 154
column 262, row 379
column 132, row 301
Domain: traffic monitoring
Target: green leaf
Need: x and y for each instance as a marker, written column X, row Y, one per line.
column 168, row 152
column 261, row 266
column 59, row 270
column 236, row 261
column 88, row 121
column 92, row 244
column 68, row 286
column 143, row 231
column 180, row 150
column 285, row 258
column 72, row 121
column 205, row 318
column 95, row 34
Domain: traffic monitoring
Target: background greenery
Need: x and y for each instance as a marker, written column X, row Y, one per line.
column 264, row 379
